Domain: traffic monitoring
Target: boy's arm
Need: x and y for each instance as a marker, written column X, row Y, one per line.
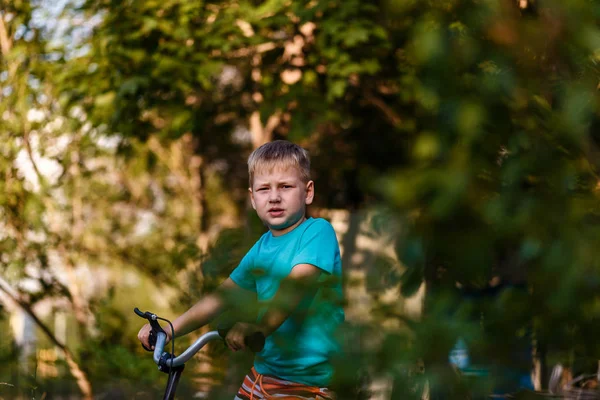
column 204, row 311
column 301, row 281
column 200, row 314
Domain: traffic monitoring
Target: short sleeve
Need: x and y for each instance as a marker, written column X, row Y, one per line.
column 318, row 246
column 242, row 275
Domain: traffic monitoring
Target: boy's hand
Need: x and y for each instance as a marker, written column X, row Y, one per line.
column 144, row 335
column 236, row 336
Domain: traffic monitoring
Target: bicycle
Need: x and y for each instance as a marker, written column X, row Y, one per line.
column 174, row 365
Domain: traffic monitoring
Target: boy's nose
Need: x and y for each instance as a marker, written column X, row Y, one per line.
column 275, row 197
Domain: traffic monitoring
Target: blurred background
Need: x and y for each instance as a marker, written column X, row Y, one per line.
column 455, row 149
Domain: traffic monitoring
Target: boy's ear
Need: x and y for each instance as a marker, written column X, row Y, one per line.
column 252, row 198
column 310, row 192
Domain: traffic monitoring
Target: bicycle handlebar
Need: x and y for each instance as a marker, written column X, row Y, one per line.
column 170, row 360
column 164, row 360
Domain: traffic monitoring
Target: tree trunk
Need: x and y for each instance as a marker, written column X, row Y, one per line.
column 261, row 134
column 81, row 310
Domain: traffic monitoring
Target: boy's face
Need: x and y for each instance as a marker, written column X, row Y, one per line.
column 280, row 198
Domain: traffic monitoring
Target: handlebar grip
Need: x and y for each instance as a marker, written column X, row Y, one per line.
column 255, row 342
column 151, row 341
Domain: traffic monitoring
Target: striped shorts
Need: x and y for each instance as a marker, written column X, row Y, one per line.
column 257, row 387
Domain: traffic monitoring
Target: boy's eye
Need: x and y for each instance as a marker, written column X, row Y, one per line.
column 262, row 189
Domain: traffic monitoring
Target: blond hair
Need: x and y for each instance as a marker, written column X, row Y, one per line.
column 279, row 154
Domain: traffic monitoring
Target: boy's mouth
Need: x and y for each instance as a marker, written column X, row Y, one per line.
column 275, row 212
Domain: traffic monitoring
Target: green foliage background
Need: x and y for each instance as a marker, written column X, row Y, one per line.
column 467, row 131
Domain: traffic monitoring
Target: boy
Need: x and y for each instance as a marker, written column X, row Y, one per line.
column 296, row 263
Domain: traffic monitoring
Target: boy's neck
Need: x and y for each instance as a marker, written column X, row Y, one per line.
column 281, row 232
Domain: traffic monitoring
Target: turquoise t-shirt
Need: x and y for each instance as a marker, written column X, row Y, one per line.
column 300, row 349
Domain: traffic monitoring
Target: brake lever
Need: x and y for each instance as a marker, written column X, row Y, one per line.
column 156, row 328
